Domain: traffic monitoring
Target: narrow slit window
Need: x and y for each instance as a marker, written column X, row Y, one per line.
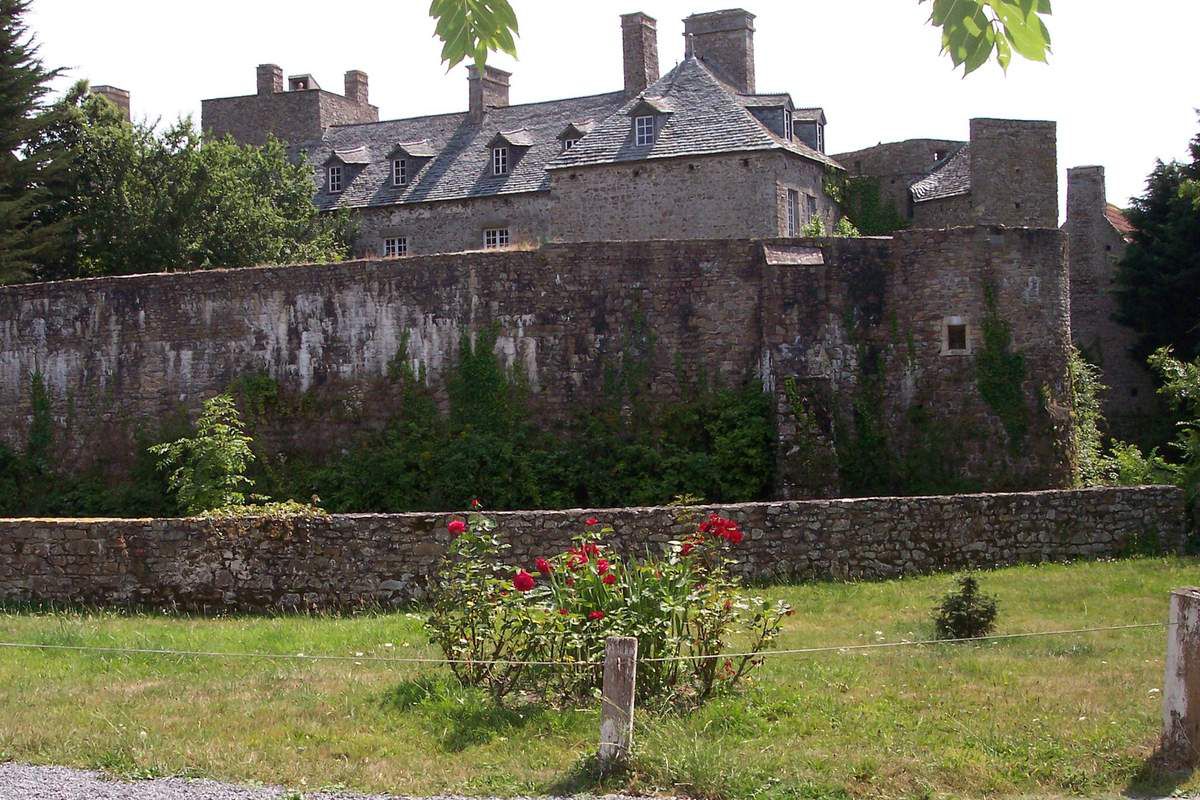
column 793, row 212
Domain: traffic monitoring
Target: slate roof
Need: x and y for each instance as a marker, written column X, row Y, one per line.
column 950, row 177
column 705, row 117
column 459, row 160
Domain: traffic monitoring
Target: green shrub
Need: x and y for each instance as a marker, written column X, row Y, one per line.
column 683, row 605
column 964, row 613
column 207, row 471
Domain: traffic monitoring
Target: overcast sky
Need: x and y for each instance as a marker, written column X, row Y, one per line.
column 1123, row 81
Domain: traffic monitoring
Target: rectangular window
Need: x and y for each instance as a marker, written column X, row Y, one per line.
column 787, row 124
column 335, row 179
column 399, row 172
column 793, row 212
column 569, row 143
column 812, row 206
column 495, row 237
column 394, row 246
column 820, row 138
column 500, row 161
column 643, row 130
column 956, row 337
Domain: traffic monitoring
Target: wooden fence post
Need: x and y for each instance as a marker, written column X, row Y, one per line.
column 616, row 700
column 1181, row 686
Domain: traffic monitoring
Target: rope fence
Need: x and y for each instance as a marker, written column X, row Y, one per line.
column 1181, row 689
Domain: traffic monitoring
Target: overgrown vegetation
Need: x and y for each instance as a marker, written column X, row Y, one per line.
column 1000, row 374
column 861, row 200
column 207, row 471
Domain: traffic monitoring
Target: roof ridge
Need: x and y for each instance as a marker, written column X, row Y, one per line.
column 464, row 113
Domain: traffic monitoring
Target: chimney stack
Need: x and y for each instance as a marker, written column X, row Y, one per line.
column 356, row 86
column 724, row 41
column 118, row 97
column 1086, row 197
column 270, row 78
column 639, row 37
column 488, row 91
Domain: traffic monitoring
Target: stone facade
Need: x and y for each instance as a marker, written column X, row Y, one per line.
column 345, row 562
column 897, row 165
column 1096, row 248
column 298, row 115
column 119, row 355
column 1014, row 173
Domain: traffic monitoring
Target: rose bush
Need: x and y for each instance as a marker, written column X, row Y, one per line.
column 684, row 606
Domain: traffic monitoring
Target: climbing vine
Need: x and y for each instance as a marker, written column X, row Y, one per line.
column 1000, row 373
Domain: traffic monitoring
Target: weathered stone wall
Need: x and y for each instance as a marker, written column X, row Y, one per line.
column 897, row 165
column 452, row 226
column 1014, row 173
column 352, row 561
column 946, row 212
column 293, row 116
column 720, row 197
column 1096, row 248
column 835, row 317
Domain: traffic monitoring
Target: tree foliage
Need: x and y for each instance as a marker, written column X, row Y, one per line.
column 1158, row 281
column 142, row 200
column 207, row 471
column 27, row 231
column 971, row 30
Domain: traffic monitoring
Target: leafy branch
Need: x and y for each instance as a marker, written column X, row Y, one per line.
column 474, row 28
column 973, row 29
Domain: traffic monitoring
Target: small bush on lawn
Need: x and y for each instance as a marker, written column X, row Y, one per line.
column 965, row 613
column 558, row 611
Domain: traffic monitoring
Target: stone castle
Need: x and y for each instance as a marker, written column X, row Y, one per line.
column 666, row 219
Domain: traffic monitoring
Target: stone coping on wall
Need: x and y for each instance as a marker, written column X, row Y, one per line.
column 357, row 560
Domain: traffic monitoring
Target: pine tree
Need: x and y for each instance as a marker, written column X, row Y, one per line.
column 26, row 232
column 1159, row 278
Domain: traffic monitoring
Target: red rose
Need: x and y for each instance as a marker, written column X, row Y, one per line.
column 591, row 548
column 601, row 566
column 609, row 579
column 475, row 503
column 456, row 527
column 596, row 615
column 592, row 521
column 543, row 566
column 686, row 549
column 523, row 581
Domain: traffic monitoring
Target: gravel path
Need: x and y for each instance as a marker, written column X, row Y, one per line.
column 22, row 782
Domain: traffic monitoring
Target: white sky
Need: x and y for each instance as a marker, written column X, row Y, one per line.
column 1123, row 81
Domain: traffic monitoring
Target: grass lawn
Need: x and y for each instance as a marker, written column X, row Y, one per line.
column 1075, row 715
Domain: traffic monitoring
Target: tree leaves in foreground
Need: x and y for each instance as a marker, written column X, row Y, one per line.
column 474, row 28
column 971, row 30
column 974, row 29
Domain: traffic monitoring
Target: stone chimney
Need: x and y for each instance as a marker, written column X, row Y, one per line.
column 356, row 86
column 1014, row 172
column 639, row 37
column 489, row 91
column 118, row 97
column 724, row 41
column 1086, row 197
column 270, row 78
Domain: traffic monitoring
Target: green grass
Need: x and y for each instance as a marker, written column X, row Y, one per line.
column 1076, row 715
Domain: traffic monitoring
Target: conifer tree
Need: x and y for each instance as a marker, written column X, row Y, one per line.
column 27, row 232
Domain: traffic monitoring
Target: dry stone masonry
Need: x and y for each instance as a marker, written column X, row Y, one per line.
column 346, row 562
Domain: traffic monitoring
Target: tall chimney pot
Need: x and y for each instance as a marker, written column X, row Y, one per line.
column 356, row 86
column 639, row 37
column 270, row 78
column 488, row 91
column 724, row 41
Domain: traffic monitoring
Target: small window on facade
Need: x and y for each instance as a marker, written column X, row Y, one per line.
column 938, row 155
column 335, row 179
column 820, row 138
column 495, row 237
column 500, row 161
column 954, row 341
column 812, row 206
column 569, row 143
column 394, row 246
column 793, row 212
column 787, row 124
column 399, row 172
column 643, row 130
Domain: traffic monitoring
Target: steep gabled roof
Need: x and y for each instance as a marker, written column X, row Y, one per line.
column 950, row 177
column 708, row 117
column 354, row 155
column 518, row 138
column 1116, row 217
column 419, row 149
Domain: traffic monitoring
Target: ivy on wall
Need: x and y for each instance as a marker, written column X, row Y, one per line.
column 1000, row 373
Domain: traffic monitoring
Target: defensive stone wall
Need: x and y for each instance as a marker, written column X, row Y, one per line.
column 854, row 329
column 363, row 560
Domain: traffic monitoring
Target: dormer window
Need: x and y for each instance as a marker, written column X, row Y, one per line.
column 335, row 177
column 499, row 160
column 787, row 124
column 643, row 131
column 399, row 171
column 567, row 144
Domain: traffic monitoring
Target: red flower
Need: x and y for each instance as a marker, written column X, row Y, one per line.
column 591, row 549
column 687, row 548
column 570, row 581
column 563, row 612
column 475, row 504
column 456, row 527
column 523, row 581
column 592, row 521
column 728, row 605
column 543, row 566
column 601, row 566
column 722, row 528
column 609, row 579
column 596, row 615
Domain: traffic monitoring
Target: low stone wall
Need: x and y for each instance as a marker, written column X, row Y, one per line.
column 364, row 560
